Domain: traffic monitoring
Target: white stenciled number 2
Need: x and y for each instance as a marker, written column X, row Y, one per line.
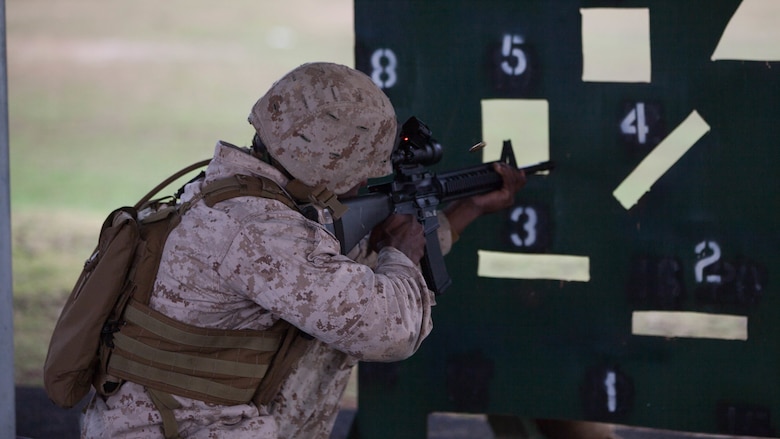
column 707, row 260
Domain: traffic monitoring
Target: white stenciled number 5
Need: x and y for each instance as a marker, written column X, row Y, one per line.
column 516, row 62
column 383, row 64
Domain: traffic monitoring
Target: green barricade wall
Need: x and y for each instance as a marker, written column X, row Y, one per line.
column 654, row 308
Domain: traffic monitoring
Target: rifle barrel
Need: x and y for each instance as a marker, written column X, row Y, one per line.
column 477, row 180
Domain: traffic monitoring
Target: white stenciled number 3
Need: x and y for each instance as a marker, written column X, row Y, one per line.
column 529, row 226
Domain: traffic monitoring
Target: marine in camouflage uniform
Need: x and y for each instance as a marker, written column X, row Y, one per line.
column 247, row 262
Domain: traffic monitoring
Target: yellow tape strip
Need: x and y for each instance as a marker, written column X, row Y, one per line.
column 661, row 159
column 752, row 34
column 533, row 266
column 616, row 45
column 523, row 121
column 689, row 324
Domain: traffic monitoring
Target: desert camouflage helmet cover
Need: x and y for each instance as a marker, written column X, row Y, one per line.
column 327, row 124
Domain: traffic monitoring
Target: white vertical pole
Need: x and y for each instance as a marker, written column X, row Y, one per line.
column 7, row 391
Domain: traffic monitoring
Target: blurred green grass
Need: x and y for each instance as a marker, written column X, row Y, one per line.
column 106, row 99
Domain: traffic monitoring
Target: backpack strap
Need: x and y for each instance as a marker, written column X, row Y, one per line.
column 294, row 193
column 175, row 176
column 166, row 404
column 244, row 185
column 169, row 357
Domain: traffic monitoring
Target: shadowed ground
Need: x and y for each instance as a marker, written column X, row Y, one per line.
column 39, row 418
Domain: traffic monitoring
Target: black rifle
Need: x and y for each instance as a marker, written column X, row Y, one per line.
column 417, row 191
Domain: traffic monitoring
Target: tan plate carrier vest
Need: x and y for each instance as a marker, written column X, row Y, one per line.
column 169, row 357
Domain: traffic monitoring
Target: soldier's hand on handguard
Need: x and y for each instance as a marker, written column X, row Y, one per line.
column 462, row 212
column 514, row 180
column 403, row 232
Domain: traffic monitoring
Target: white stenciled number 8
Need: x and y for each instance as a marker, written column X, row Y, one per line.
column 511, row 50
column 383, row 64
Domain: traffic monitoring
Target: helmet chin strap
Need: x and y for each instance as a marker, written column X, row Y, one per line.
column 319, row 196
column 259, row 150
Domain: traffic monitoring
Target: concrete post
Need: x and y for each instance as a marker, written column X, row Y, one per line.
column 7, row 392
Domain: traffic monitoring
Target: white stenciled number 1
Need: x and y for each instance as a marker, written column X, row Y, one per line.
column 609, row 388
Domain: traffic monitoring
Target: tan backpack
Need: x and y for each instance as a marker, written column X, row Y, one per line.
column 101, row 336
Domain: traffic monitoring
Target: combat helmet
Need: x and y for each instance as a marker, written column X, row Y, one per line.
column 327, row 125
